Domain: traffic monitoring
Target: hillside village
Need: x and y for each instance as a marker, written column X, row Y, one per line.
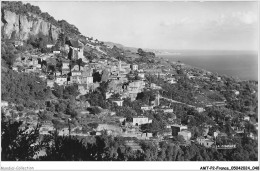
column 126, row 80
column 131, row 94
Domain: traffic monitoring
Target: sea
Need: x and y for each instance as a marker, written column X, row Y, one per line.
column 238, row 64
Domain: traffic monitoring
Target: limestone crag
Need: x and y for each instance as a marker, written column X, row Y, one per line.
column 23, row 26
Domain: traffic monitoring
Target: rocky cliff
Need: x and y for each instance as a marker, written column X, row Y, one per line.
column 22, row 26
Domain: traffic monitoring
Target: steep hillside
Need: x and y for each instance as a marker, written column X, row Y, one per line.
column 36, row 29
column 20, row 26
column 19, row 21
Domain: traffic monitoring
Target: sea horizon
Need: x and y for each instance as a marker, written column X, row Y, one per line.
column 242, row 64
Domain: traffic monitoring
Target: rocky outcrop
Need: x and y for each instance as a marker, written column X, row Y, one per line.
column 22, row 26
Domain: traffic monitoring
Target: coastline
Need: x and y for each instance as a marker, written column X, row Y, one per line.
column 241, row 64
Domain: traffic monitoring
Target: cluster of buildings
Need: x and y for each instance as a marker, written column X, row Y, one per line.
column 81, row 73
column 124, row 79
column 28, row 64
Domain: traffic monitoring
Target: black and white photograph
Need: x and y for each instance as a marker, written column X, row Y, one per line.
column 126, row 85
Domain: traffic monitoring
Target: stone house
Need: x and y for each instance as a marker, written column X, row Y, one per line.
column 57, row 73
column 30, row 69
column 141, row 120
column 119, row 102
column 246, row 118
column 15, row 68
column 56, row 52
column 75, row 73
column 136, row 86
column 65, row 65
column 141, row 75
column 171, row 80
column 186, row 134
column 167, row 110
column 39, row 66
column 76, row 49
column 178, row 128
column 146, row 108
column 76, row 79
column 61, row 80
column 87, row 80
column 134, row 67
column 49, row 45
column 200, row 109
column 205, row 142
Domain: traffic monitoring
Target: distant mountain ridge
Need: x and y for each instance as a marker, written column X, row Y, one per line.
column 111, row 44
column 133, row 49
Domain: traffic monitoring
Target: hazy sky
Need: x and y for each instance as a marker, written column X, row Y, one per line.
column 164, row 25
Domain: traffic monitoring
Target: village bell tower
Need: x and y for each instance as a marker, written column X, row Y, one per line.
column 157, row 99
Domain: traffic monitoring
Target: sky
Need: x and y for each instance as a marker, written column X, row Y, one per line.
column 164, row 25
